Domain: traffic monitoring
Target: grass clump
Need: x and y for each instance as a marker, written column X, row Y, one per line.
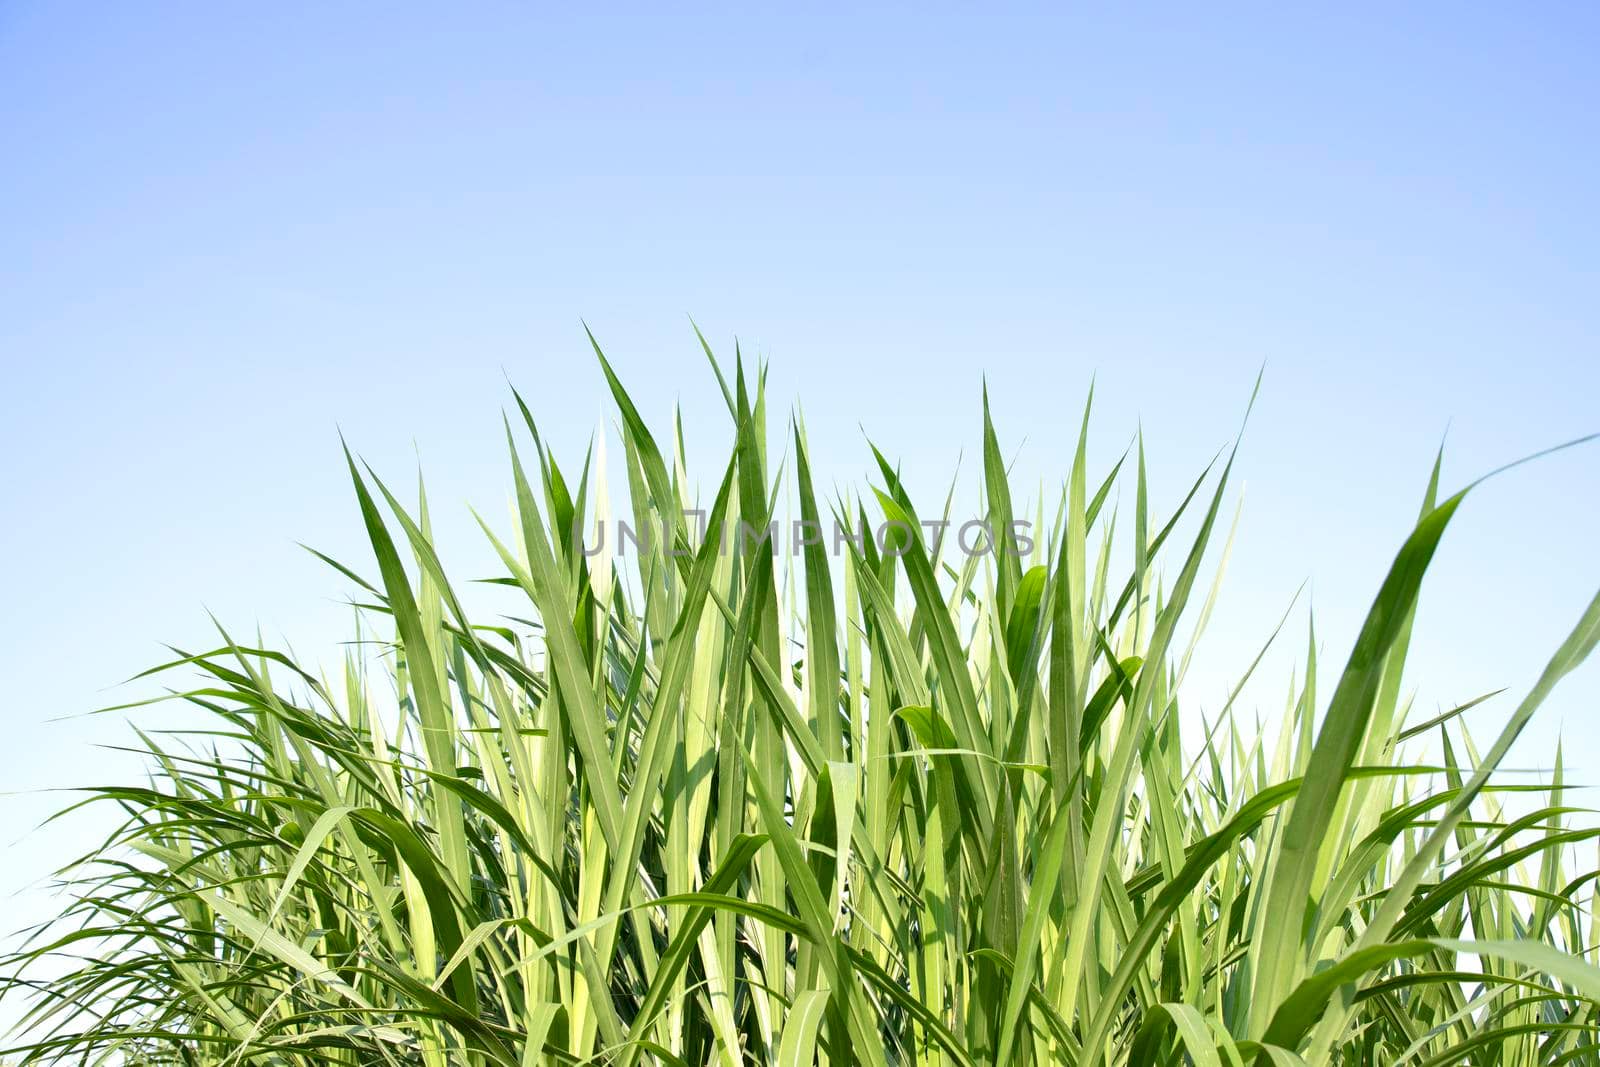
column 890, row 805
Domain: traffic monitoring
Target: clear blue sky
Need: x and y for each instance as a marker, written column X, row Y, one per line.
column 228, row 230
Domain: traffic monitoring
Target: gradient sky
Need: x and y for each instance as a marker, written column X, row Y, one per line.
column 228, row 231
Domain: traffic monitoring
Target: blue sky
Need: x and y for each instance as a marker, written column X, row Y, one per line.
column 227, row 232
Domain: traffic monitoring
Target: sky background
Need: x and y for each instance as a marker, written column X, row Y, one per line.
column 229, row 231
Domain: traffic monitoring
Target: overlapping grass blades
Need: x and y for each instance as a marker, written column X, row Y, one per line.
column 878, row 802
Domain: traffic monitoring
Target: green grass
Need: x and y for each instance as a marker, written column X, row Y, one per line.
column 713, row 808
